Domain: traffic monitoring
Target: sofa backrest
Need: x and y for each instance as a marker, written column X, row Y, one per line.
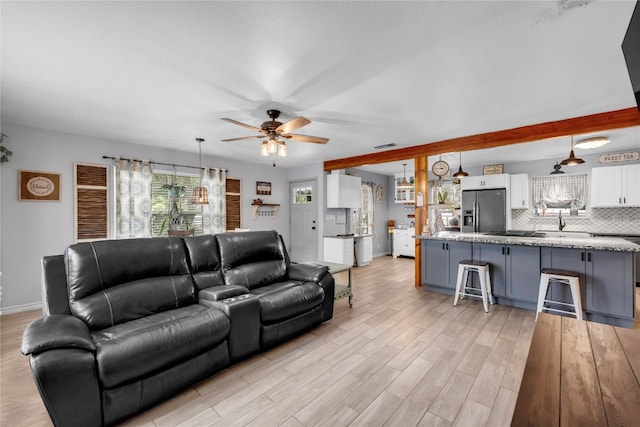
column 55, row 297
column 252, row 259
column 114, row 281
column 204, row 258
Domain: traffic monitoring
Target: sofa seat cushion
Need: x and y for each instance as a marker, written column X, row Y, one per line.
column 281, row 301
column 144, row 346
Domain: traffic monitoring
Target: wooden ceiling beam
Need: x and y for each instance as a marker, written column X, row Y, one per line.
column 584, row 124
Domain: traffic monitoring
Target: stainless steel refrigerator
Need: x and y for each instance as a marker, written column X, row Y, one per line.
column 484, row 210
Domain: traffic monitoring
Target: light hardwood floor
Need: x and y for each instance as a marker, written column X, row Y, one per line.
column 401, row 356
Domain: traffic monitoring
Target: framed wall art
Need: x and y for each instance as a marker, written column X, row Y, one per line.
column 263, row 188
column 39, row 186
column 492, row 169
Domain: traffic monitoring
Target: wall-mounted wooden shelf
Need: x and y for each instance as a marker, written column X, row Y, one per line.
column 271, row 209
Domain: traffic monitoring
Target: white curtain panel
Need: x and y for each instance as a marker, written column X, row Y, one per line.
column 214, row 215
column 560, row 191
column 133, row 199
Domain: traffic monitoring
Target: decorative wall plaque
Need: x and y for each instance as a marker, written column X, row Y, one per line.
column 492, row 169
column 43, row 186
column 263, row 188
column 619, row 157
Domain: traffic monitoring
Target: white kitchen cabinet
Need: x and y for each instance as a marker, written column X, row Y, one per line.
column 344, row 191
column 364, row 250
column 615, row 186
column 403, row 242
column 338, row 250
column 485, row 182
column 519, row 190
column 404, row 194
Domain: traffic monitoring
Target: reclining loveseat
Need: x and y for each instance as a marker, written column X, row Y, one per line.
column 129, row 323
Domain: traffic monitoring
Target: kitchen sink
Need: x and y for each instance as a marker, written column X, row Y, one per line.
column 570, row 234
column 517, row 233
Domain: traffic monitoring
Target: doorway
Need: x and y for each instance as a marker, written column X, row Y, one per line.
column 303, row 229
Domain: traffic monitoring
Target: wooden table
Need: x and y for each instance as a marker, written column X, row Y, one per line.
column 341, row 291
column 580, row 373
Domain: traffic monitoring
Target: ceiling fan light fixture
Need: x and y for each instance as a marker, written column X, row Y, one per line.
column 460, row 172
column 282, row 149
column 590, row 143
column 264, row 149
column 272, row 145
column 200, row 195
column 572, row 160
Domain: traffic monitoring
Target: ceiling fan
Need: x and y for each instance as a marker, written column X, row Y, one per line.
column 274, row 129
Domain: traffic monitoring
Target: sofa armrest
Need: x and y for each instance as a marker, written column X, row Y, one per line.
column 63, row 364
column 218, row 293
column 307, row 272
column 56, row 332
column 318, row 274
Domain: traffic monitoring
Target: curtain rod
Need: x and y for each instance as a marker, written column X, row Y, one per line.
column 157, row 163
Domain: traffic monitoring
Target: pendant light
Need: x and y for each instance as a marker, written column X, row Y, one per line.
column 403, row 182
column 460, row 172
column 556, row 169
column 572, row 160
column 200, row 195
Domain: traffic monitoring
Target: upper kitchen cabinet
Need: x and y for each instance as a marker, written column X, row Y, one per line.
column 405, row 192
column 519, row 191
column 485, row 182
column 615, row 186
column 344, row 191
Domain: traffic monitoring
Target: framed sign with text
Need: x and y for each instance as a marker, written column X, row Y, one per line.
column 39, row 186
column 263, row 188
column 492, row 169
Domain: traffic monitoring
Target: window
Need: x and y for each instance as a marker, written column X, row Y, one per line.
column 190, row 215
column 302, row 195
column 565, row 194
column 366, row 213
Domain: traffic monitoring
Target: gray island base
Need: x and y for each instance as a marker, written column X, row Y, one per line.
column 606, row 266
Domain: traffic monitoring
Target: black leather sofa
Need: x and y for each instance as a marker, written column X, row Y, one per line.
column 129, row 323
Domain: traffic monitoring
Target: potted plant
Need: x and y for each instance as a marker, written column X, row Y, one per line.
column 5, row 153
column 175, row 219
column 173, row 188
column 443, row 195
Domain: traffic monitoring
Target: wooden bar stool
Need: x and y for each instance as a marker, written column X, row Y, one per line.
column 480, row 267
column 569, row 278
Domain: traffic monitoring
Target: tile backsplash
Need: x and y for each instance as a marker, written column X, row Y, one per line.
column 600, row 220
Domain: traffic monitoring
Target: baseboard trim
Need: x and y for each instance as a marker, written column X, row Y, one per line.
column 20, row 308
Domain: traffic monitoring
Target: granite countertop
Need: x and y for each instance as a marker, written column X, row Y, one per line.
column 595, row 243
column 347, row 236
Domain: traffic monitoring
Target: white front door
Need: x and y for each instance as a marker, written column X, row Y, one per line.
column 303, row 230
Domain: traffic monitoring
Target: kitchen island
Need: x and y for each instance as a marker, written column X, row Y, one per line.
column 606, row 266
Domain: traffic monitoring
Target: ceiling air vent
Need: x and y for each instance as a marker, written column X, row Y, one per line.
column 383, row 146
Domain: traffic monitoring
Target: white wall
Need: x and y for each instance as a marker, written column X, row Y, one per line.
column 31, row 230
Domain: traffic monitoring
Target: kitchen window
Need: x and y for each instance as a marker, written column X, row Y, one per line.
column 366, row 213
column 555, row 195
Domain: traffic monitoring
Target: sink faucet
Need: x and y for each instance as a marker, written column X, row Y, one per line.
column 561, row 223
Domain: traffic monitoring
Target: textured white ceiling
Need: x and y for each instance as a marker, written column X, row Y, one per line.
column 365, row 73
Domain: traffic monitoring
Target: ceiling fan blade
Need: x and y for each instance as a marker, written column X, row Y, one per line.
column 242, row 137
column 307, row 138
column 235, row 122
column 292, row 125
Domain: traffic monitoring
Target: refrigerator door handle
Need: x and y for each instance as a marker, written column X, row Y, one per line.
column 476, row 216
